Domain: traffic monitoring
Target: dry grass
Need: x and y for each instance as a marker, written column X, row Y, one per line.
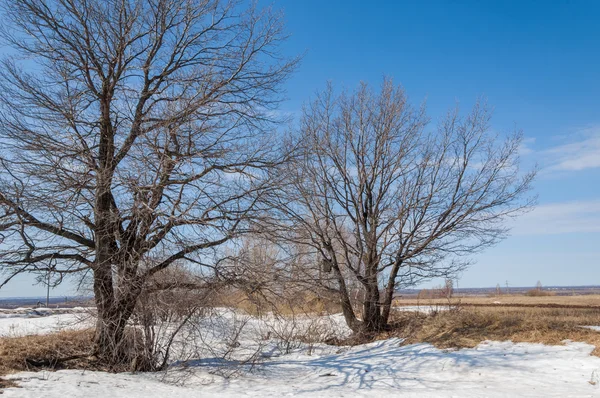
column 285, row 305
column 45, row 351
column 539, row 293
column 6, row 384
column 68, row 349
column 467, row 327
column 582, row 300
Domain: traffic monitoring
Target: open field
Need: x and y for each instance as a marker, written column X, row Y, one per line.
column 592, row 300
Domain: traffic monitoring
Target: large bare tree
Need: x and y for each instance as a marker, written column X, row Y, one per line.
column 133, row 134
column 388, row 203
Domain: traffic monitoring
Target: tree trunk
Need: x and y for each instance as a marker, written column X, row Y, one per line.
column 345, row 302
column 372, row 319
column 109, row 339
column 348, row 312
column 386, row 305
column 113, row 314
column 389, row 292
column 111, row 344
column 107, row 335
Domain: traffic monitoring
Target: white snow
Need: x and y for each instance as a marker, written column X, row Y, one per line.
column 596, row 328
column 25, row 321
column 422, row 308
column 381, row 369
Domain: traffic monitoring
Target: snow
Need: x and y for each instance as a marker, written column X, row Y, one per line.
column 422, row 308
column 493, row 369
column 596, row 328
column 383, row 368
column 42, row 310
column 27, row 321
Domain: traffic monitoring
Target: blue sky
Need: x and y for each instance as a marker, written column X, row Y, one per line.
column 536, row 62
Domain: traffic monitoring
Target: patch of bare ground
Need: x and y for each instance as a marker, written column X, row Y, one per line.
column 465, row 327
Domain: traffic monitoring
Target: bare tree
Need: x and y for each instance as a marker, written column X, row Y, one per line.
column 132, row 132
column 387, row 204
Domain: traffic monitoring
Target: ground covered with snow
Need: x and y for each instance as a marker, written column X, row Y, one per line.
column 27, row 321
column 287, row 368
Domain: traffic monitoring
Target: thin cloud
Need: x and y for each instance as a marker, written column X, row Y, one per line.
column 560, row 218
column 577, row 155
column 524, row 148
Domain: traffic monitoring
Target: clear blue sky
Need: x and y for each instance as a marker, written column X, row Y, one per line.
column 538, row 64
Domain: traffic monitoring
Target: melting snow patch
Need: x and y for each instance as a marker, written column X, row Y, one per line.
column 596, row 328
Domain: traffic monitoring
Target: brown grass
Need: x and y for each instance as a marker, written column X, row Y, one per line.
column 24, row 353
column 539, row 293
column 288, row 305
column 68, row 349
column 45, row 352
column 7, row 383
column 467, row 327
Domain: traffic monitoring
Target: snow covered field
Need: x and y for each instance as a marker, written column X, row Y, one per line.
column 25, row 321
column 383, row 368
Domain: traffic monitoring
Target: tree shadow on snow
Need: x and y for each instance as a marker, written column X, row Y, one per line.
column 381, row 364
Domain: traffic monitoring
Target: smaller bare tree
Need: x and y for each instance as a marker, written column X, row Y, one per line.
column 448, row 288
column 386, row 204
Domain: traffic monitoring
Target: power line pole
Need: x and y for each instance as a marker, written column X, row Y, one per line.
column 48, row 289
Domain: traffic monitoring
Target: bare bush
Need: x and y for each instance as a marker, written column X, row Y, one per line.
column 539, row 293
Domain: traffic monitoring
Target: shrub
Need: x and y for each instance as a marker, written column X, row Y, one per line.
column 539, row 293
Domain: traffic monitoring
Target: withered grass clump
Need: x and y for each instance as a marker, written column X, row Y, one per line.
column 258, row 303
column 7, row 383
column 67, row 349
column 46, row 351
column 467, row 327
